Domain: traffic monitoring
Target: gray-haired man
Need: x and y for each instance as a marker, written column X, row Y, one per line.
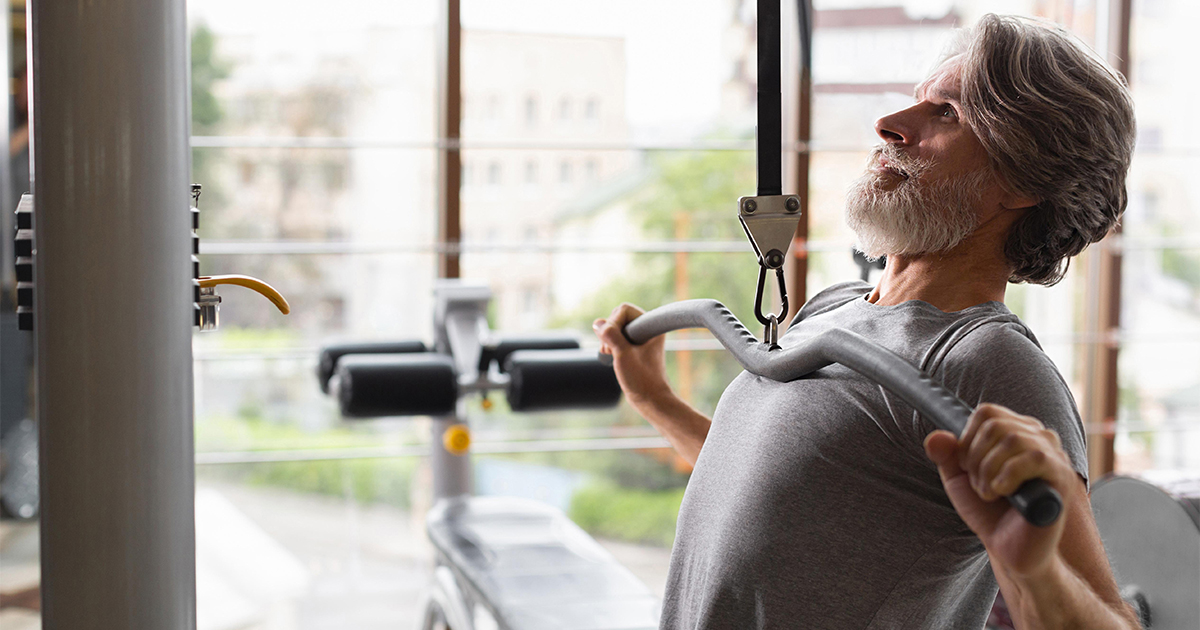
column 827, row 502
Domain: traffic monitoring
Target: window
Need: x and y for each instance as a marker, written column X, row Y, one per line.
column 468, row 174
column 331, row 202
column 493, row 107
column 334, row 201
column 531, row 111
column 531, row 172
column 1158, row 420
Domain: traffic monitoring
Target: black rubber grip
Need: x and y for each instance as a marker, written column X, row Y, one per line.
column 540, row 380
column 330, row 355
column 1035, row 500
column 1039, row 503
column 415, row 384
column 503, row 346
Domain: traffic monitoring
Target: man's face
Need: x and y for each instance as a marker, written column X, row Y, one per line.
column 926, row 185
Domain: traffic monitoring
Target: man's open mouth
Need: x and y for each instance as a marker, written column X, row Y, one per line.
column 886, row 166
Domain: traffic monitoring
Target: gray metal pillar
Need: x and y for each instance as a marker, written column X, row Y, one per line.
column 451, row 472
column 114, row 314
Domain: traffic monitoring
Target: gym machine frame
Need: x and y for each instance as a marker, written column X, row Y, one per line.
column 502, row 563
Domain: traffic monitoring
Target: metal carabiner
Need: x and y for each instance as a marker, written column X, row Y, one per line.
column 770, row 320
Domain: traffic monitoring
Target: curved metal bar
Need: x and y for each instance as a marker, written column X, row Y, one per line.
column 1037, row 501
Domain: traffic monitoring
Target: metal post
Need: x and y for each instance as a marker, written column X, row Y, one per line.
column 114, row 314
column 770, row 101
column 14, row 344
column 449, row 156
column 451, row 471
column 797, row 269
column 1104, row 284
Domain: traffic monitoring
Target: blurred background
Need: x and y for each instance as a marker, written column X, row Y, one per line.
column 603, row 147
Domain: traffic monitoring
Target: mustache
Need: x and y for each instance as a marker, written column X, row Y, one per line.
column 909, row 167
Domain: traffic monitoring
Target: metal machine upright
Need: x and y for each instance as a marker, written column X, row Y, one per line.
column 114, row 314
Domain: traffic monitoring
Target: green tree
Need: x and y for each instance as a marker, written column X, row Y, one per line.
column 693, row 197
column 208, row 68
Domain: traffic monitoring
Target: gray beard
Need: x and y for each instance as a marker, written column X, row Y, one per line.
column 916, row 217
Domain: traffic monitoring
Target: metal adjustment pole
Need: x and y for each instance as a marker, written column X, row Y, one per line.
column 114, row 314
column 770, row 218
column 449, row 155
column 797, row 271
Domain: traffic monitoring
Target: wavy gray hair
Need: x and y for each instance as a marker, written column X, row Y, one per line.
column 1057, row 123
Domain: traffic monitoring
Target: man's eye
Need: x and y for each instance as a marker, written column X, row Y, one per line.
column 948, row 112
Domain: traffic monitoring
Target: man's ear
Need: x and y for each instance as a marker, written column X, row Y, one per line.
column 1010, row 200
column 1013, row 201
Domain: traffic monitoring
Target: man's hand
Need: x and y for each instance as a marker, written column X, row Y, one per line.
column 642, row 373
column 641, row 370
column 998, row 451
column 1049, row 580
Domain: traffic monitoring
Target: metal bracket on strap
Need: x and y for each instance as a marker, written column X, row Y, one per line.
column 770, row 222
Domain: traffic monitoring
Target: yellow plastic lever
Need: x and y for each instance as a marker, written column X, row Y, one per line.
column 255, row 284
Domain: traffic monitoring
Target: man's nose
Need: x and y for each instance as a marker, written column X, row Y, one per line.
column 895, row 128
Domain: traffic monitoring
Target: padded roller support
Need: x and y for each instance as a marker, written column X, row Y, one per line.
column 376, row 385
column 541, row 380
column 330, row 355
column 503, row 346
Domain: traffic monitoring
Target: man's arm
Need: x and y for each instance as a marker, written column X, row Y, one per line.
column 1052, row 577
column 642, row 373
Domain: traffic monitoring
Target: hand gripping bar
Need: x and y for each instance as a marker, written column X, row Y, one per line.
column 1039, row 503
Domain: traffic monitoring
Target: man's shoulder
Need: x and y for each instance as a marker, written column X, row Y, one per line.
column 1003, row 338
column 1000, row 361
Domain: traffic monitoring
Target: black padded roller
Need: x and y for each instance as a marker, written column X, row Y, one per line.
column 503, row 346
column 417, row 384
column 330, row 355
column 560, row 379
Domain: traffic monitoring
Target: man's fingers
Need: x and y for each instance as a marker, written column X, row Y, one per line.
column 1027, row 465
column 942, row 449
column 610, row 336
column 623, row 314
column 993, row 461
column 997, row 425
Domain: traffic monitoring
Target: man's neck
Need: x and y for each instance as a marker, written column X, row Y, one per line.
column 951, row 281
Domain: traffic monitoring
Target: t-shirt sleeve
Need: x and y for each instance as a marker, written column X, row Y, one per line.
column 999, row 363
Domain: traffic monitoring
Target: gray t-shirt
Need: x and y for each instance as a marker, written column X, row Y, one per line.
column 813, row 505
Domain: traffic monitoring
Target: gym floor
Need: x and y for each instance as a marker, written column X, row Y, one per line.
column 272, row 560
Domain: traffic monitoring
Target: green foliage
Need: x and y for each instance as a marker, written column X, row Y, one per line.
column 704, row 187
column 693, row 197
column 385, row 481
column 640, row 516
column 628, row 469
column 207, row 70
column 250, row 431
column 367, row 480
column 1182, row 265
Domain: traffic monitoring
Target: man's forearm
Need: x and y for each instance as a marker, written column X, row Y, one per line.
column 1059, row 598
column 683, row 426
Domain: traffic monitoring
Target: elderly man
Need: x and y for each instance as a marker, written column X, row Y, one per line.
column 829, row 503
